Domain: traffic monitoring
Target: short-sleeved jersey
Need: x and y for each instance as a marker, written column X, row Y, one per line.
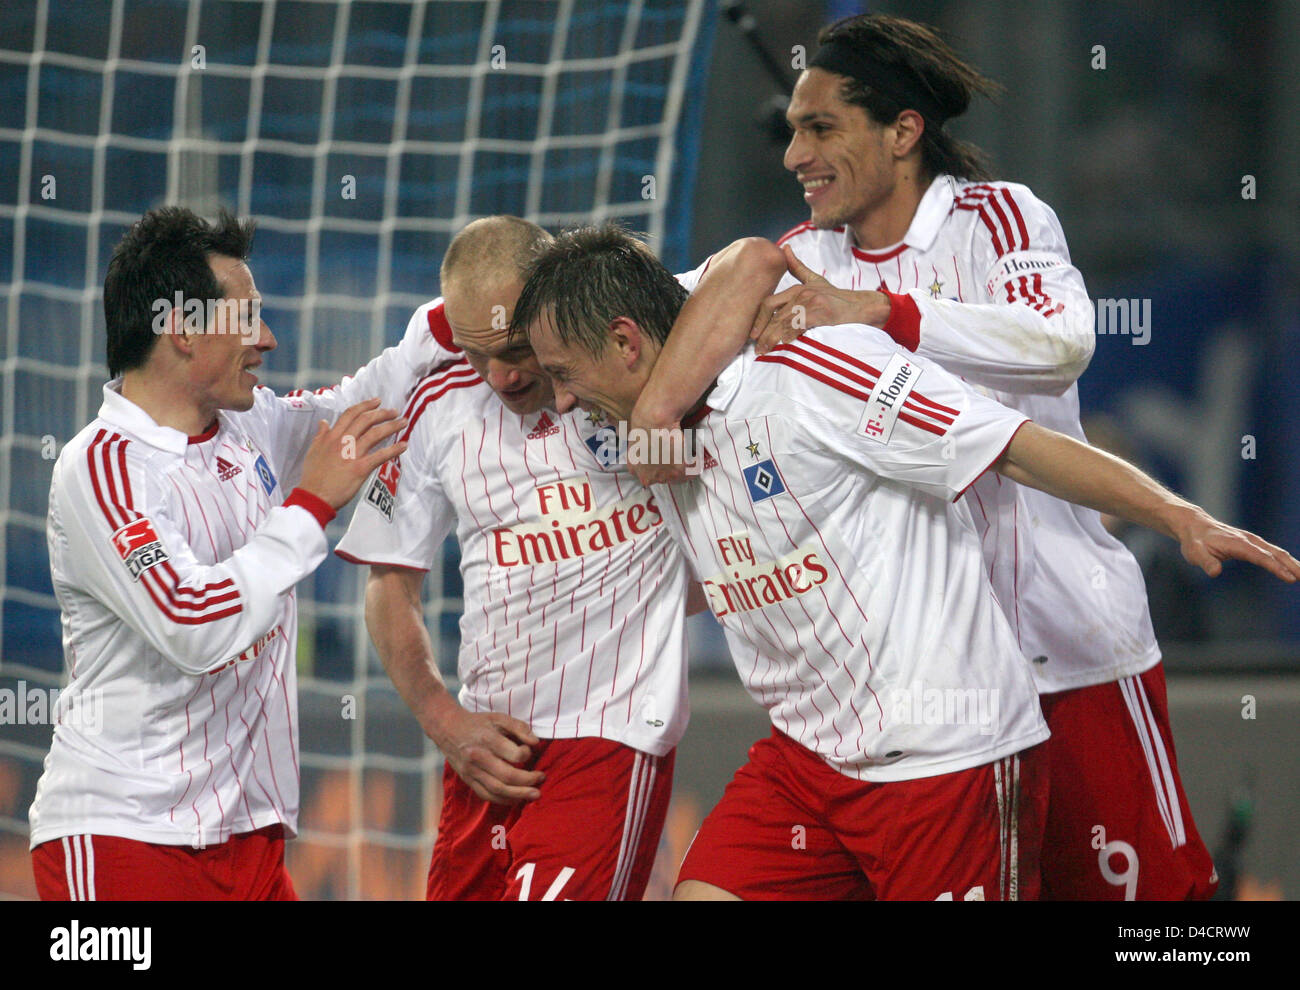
column 983, row 279
column 174, row 563
column 848, row 582
column 574, row 591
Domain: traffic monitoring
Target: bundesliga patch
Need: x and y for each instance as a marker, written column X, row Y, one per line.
column 382, row 493
column 264, row 473
column 763, row 481
column 886, row 400
column 138, row 545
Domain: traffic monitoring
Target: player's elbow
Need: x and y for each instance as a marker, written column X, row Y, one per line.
column 1072, row 351
column 194, row 651
column 1081, row 342
column 754, row 259
column 763, row 259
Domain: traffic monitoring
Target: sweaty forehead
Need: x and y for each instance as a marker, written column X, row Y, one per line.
column 233, row 276
column 480, row 320
column 546, row 342
column 489, row 340
column 553, row 353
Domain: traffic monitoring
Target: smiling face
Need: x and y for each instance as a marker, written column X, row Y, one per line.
column 838, row 153
column 611, row 383
column 231, row 342
column 480, row 326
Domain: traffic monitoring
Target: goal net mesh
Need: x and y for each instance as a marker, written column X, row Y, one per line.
column 362, row 135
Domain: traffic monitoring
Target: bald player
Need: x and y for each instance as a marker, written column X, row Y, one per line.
column 559, row 748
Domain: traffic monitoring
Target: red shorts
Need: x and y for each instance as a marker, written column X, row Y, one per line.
column 247, row 867
column 789, row 827
column 1118, row 825
column 591, row 836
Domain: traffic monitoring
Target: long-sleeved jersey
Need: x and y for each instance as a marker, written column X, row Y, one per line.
column 850, row 586
column 174, row 561
column 574, row 590
column 983, row 285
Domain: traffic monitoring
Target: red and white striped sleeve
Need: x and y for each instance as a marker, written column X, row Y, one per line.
column 404, row 513
column 899, row 415
column 288, row 423
column 110, row 528
column 1033, row 330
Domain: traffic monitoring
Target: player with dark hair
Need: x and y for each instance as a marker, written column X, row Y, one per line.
column 886, row 65
column 828, row 536
column 560, row 746
column 163, row 257
column 910, row 234
column 180, row 521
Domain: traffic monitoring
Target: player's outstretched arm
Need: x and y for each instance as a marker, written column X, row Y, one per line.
column 289, row 422
column 482, row 747
column 1076, row 472
column 710, row 331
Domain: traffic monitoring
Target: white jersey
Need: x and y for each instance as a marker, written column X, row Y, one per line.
column 574, row 591
column 984, row 278
column 174, row 563
column 850, row 586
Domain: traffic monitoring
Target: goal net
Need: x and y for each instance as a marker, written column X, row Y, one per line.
column 362, row 135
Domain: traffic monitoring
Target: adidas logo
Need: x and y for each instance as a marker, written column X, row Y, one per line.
column 709, row 460
column 545, row 428
column 226, row 470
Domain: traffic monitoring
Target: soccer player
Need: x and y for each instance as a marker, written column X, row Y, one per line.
column 904, row 759
column 909, row 233
column 559, row 750
column 180, row 521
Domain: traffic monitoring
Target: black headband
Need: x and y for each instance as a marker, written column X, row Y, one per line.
column 902, row 86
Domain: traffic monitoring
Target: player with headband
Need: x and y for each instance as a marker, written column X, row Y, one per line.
column 828, row 530
column 909, row 233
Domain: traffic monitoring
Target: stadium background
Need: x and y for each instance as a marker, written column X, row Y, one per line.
column 1165, row 154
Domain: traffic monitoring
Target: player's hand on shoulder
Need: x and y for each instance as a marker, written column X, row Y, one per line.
column 785, row 316
column 1206, row 542
column 342, row 456
column 486, row 749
